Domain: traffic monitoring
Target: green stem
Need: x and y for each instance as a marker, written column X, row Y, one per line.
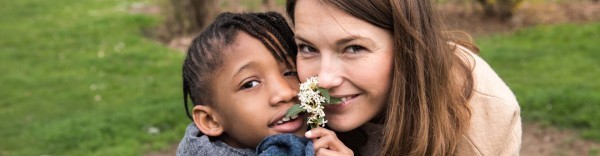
column 313, row 125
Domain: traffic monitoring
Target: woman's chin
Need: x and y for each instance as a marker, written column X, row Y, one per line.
column 341, row 125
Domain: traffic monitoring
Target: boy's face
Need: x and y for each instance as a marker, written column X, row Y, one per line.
column 253, row 92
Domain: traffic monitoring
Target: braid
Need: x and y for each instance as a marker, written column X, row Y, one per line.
column 267, row 41
column 286, row 32
column 205, row 53
column 264, row 36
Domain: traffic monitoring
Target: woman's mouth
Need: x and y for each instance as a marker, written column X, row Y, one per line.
column 346, row 100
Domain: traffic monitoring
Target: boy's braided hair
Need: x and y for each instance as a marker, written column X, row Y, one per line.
column 205, row 52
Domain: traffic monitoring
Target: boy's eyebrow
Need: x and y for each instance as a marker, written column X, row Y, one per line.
column 244, row 67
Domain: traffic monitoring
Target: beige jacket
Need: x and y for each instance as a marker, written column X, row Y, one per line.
column 495, row 122
column 496, row 116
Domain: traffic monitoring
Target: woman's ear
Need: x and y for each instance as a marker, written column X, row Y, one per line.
column 207, row 121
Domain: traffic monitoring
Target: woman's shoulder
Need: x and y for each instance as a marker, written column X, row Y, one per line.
column 495, row 120
column 488, row 83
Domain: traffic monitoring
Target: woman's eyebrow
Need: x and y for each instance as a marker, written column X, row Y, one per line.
column 341, row 41
column 302, row 39
column 345, row 40
column 348, row 39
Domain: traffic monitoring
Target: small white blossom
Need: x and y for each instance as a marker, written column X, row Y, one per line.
column 312, row 101
column 153, row 130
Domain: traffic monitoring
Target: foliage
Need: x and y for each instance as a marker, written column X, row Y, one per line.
column 79, row 78
column 554, row 71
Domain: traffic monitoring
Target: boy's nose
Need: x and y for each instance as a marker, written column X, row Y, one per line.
column 282, row 92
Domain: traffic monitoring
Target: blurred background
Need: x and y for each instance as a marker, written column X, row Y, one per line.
column 102, row 77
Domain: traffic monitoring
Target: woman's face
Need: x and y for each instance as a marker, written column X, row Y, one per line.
column 352, row 58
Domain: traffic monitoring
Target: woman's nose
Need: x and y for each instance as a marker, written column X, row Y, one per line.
column 282, row 92
column 329, row 73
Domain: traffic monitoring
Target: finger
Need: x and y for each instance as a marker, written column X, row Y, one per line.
column 324, row 152
column 323, row 142
column 318, row 132
column 326, row 139
column 330, row 142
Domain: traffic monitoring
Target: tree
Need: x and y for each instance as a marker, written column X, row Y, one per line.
column 502, row 9
column 187, row 17
column 268, row 4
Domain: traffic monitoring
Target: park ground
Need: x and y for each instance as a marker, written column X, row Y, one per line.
column 83, row 78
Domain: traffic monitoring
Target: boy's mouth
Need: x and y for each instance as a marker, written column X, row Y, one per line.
column 286, row 119
column 284, row 124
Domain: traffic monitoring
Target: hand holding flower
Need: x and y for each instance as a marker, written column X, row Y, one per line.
column 325, row 142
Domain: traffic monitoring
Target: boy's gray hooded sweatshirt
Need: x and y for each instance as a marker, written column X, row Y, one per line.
column 194, row 143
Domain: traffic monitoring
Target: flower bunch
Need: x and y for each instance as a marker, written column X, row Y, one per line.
column 312, row 101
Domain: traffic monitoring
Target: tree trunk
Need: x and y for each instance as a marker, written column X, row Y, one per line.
column 190, row 16
column 505, row 8
column 488, row 8
column 268, row 4
column 501, row 9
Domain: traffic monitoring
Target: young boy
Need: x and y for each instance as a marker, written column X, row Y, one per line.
column 241, row 80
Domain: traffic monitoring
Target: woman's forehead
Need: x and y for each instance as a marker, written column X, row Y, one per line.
column 317, row 22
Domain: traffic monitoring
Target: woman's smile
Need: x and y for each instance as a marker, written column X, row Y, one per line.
column 345, row 103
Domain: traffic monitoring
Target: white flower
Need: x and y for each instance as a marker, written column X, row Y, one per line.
column 312, row 101
column 153, row 130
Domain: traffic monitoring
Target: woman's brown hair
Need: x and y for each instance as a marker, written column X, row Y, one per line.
column 426, row 111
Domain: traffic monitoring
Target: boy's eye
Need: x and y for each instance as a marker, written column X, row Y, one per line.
column 290, row 73
column 306, row 49
column 250, row 84
column 354, row 49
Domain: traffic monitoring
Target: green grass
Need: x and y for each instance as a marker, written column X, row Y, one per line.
column 79, row 78
column 554, row 72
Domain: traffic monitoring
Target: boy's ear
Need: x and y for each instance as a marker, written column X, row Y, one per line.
column 207, row 121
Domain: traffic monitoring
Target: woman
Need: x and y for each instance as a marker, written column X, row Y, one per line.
column 405, row 85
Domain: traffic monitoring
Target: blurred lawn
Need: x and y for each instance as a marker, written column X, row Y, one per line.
column 554, row 71
column 78, row 78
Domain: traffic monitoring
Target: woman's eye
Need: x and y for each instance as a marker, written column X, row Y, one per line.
column 306, row 49
column 290, row 73
column 354, row 49
column 250, row 84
